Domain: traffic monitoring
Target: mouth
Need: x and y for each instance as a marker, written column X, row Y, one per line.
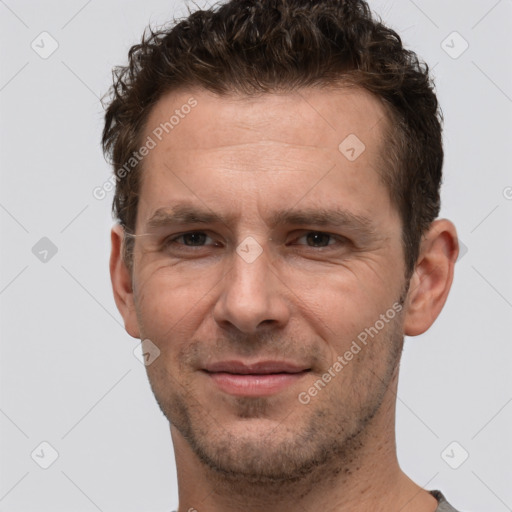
column 263, row 378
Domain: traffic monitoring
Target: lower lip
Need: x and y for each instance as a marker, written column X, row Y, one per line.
column 254, row 385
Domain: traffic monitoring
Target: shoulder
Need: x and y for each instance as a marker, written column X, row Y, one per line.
column 443, row 506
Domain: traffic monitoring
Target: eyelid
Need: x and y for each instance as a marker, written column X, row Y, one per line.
column 337, row 237
column 171, row 241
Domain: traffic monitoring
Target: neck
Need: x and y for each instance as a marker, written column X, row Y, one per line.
column 366, row 476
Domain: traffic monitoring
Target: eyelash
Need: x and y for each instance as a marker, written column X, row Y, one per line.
column 170, row 241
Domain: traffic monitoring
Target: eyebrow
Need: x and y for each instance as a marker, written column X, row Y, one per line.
column 321, row 217
column 189, row 214
column 183, row 214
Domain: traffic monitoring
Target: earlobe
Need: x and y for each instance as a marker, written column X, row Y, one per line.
column 432, row 277
column 121, row 279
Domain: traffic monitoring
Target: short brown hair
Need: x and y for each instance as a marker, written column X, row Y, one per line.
column 264, row 46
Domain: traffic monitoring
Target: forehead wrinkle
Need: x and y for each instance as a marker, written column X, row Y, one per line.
column 188, row 146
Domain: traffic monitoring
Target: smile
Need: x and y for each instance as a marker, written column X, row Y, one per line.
column 258, row 379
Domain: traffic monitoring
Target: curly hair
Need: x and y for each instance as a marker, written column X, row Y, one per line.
column 254, row 47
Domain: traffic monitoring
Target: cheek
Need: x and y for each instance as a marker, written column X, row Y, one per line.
column 169, row 305
column 346, row 303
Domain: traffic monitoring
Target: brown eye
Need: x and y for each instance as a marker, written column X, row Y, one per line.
column 321, row 240
column 194, row 238
column 189, row 239
column 318, row 239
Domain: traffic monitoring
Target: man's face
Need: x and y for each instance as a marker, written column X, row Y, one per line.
column 265, row 252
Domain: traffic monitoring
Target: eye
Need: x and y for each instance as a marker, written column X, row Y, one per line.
column 189, row 239
column 320, row 239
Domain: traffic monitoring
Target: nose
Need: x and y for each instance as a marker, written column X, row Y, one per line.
column 252, row 296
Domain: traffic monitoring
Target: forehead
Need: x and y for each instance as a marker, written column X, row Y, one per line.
column 307, row 117
column 263, row 151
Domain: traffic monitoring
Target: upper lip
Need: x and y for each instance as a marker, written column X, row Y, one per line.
column 258, row 368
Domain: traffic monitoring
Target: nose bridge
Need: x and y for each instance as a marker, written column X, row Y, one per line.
column 250, row 268
column 250, row 294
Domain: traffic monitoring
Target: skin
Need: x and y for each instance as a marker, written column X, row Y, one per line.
column 304, row 299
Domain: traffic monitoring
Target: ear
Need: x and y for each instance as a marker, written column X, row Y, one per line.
column 121, row 279
column 432, row 277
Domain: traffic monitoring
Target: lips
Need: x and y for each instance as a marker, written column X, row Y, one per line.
column 261, row 378
column 261, row 367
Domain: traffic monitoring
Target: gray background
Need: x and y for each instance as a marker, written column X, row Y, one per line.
column 68, row 373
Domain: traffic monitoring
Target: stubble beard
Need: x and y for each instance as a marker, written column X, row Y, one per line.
column 315, row 442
